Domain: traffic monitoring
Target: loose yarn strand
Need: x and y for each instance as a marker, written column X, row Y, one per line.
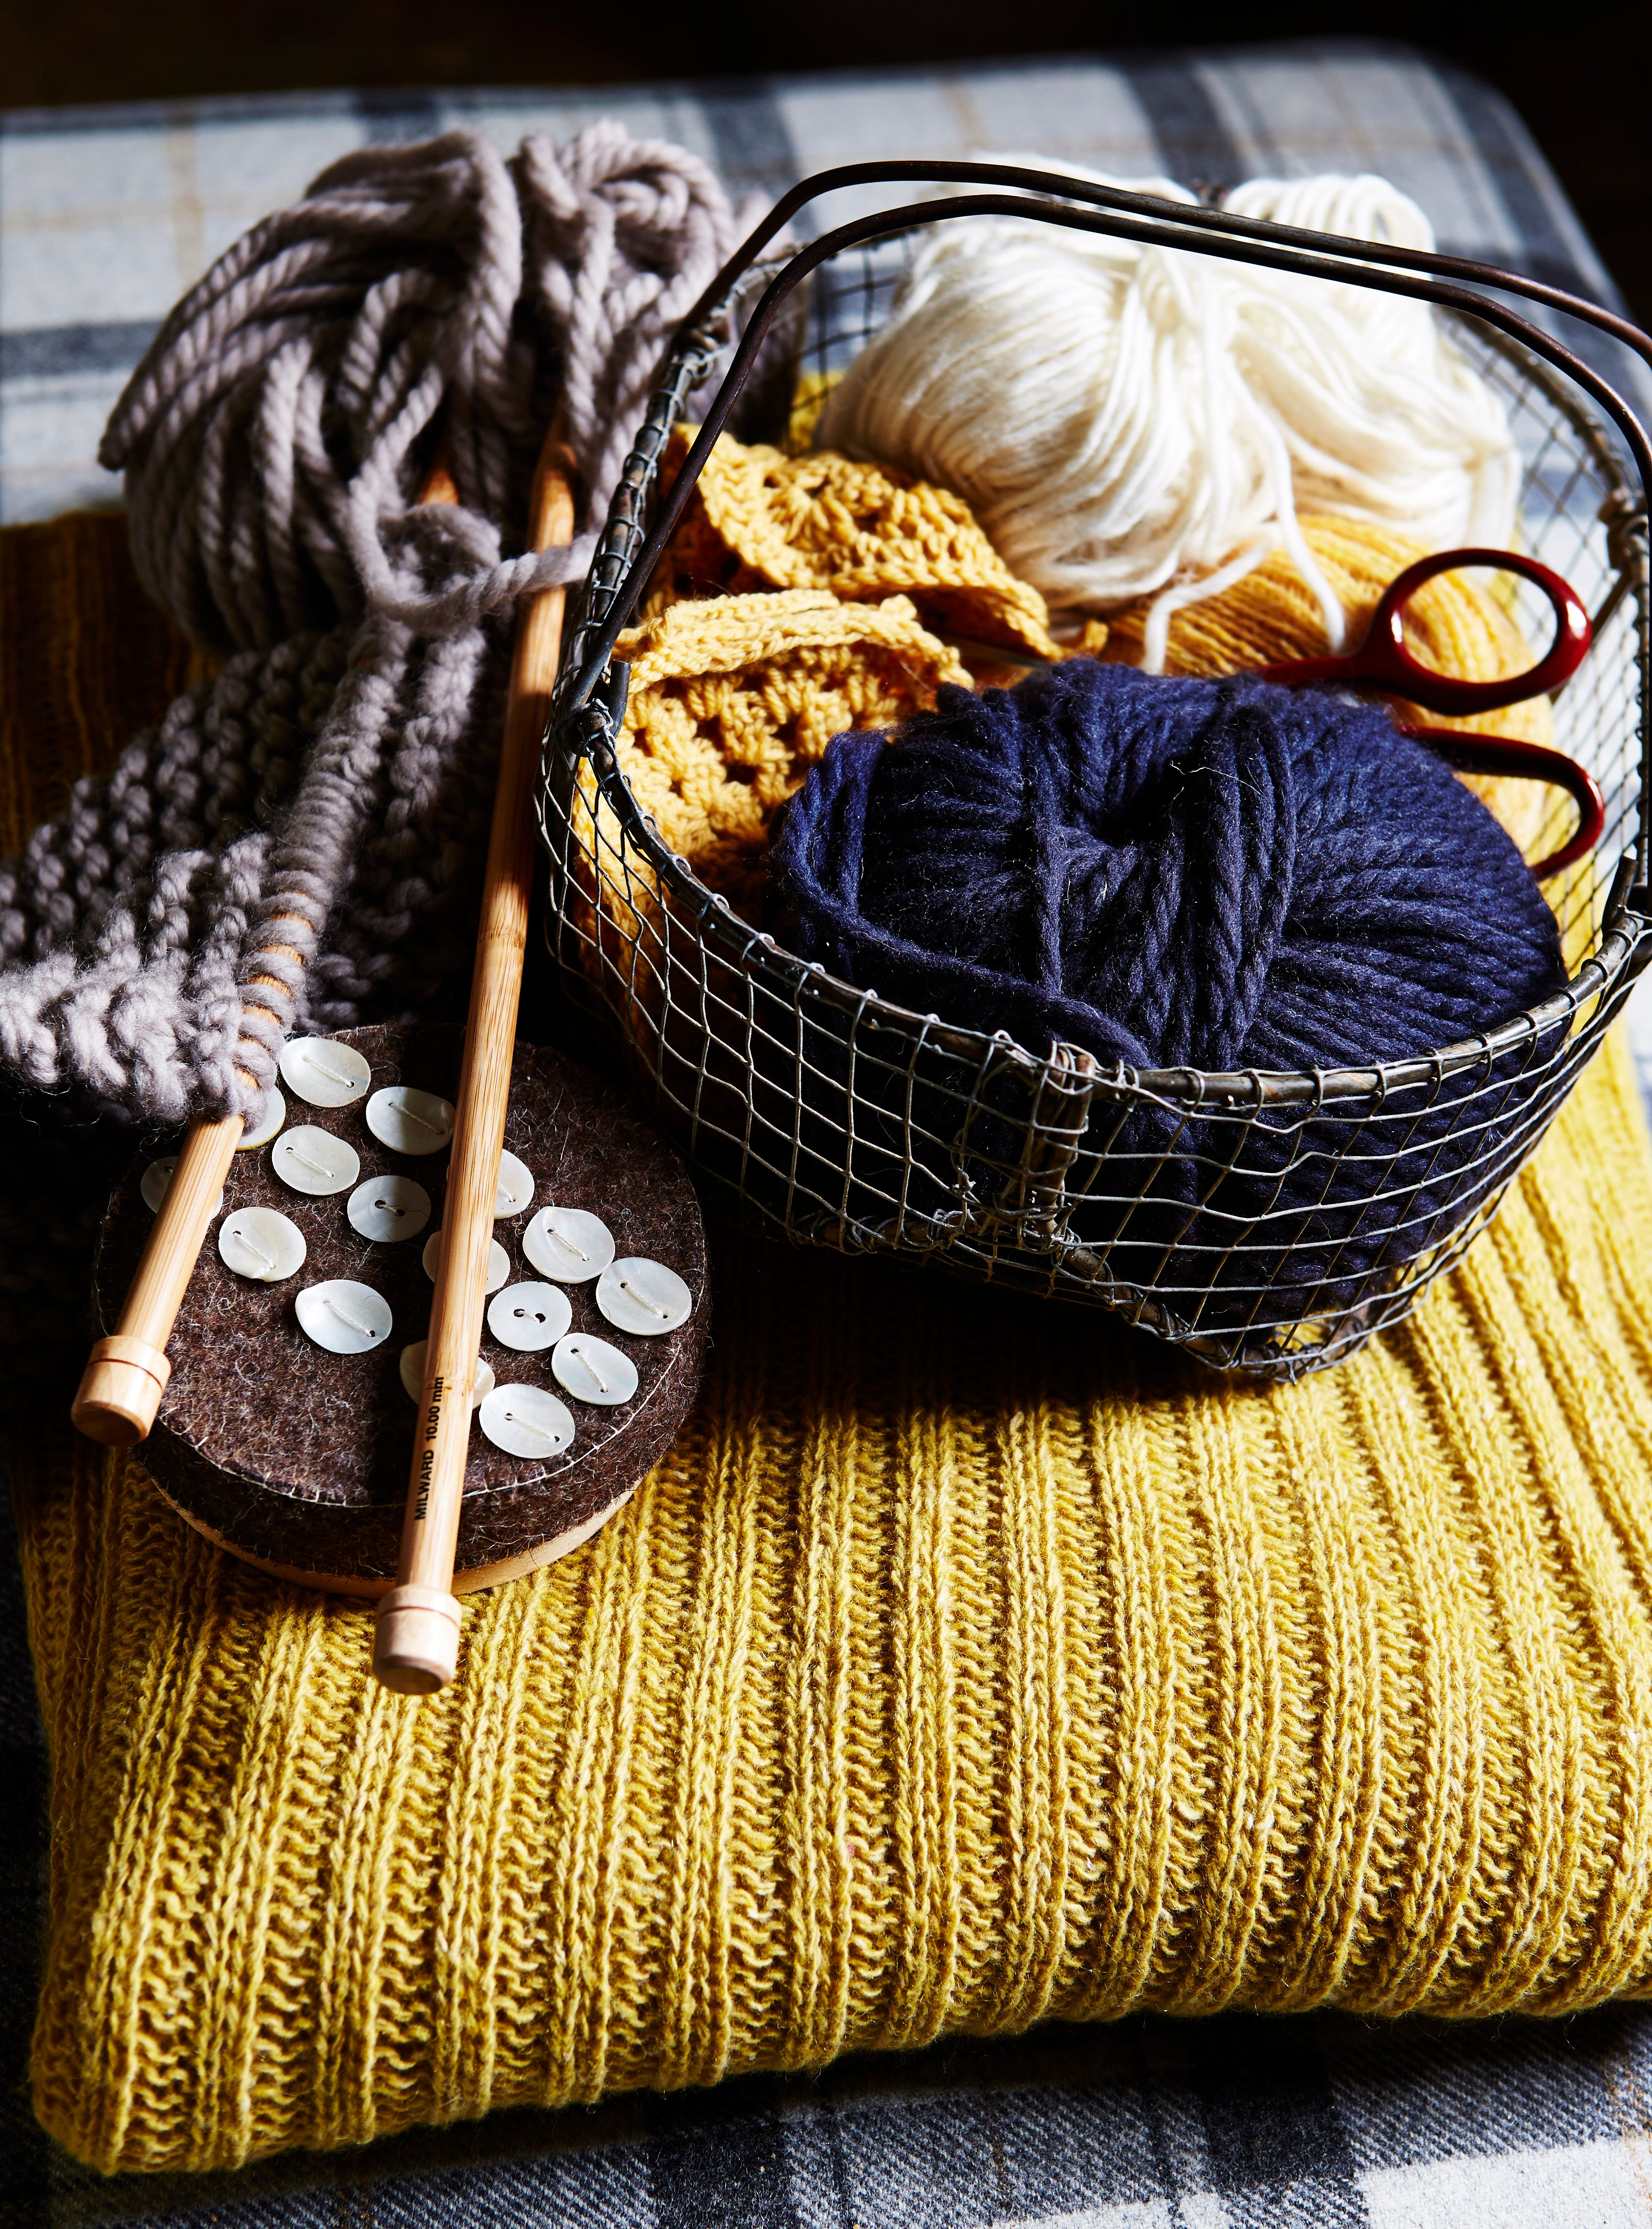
column 1156, row 634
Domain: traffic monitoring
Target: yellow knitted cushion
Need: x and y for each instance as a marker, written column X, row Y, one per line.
column 760, row 519
column 968, row 1661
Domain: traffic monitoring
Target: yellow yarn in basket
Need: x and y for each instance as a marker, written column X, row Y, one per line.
column 1453, row 624
column 733, row 696
column 797, row 599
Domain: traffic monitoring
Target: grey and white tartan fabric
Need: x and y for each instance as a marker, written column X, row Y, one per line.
column 110, row 213
column 105, row 215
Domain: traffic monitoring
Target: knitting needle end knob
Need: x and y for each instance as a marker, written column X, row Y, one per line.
column 416, row 1641
column 120, row 1392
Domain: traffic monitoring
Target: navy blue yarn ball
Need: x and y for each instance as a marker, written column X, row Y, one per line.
column 1217, row 875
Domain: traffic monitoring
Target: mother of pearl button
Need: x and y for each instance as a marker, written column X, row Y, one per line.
column 314, row 1161
column 525, row 1419
column 566, row 1244
column 498, row 1260
column 639, row 1296
column 343, row 1316
column 323, row 1072
column 259, row 1242
column 592, row 1370
column 409, row 1121
column 263, row 1122
column 515, row 1185
column 157, row 1182
column 413, row 1373
column 388, row 1208
column 530, row 1317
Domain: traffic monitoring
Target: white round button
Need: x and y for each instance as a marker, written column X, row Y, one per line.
column 343, row 1316
column 413, row 1373
column 259, row 1242
column 590, row 1370
column 515, row 1185
column 388, row 1208
column 314, row 1161
column 566, row 1244
column 409, row 1121
column 157, row 1182
column 642, row 1296
column 530, row 1317
column 498, row 1260
column 323, row 1072
column 525, row 1419
column 263, row 1123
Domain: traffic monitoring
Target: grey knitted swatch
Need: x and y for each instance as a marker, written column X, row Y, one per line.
column 312, row 823
column 314, row 818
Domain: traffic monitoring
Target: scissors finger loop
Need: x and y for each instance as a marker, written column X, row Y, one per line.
column 1503, row 755
column 1384, row 660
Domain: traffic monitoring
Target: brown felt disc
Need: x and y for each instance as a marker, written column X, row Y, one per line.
column 296, row 1458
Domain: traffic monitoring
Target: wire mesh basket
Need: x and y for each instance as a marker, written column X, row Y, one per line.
column 1271, row 1222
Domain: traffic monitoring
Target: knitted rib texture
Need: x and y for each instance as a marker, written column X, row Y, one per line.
column 967, row 1661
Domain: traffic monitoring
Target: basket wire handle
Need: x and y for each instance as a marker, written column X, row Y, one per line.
column 1077, row 205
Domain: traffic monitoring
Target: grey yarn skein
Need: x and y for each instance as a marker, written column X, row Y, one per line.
column 326, row 796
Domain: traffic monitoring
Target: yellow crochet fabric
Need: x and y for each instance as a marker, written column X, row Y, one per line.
column 760, row 519
column 968, row 1661
column 732, row 700
column 785, row 610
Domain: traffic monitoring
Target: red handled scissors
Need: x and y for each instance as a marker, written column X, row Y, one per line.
column 1383, row 661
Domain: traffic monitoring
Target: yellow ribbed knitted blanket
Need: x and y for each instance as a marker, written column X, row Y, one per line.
column 969, row 1661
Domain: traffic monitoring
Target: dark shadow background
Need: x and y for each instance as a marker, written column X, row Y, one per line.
column 1580, row 74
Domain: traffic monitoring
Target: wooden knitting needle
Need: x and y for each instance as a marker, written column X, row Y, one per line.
column 120, row 1391
column 416, row 1638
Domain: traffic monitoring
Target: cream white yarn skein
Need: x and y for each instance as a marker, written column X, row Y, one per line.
column 1125, row 420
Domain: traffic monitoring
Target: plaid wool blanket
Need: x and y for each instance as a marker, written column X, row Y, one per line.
column 104, row 216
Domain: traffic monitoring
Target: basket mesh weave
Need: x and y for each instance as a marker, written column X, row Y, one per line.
column 831, row 1117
